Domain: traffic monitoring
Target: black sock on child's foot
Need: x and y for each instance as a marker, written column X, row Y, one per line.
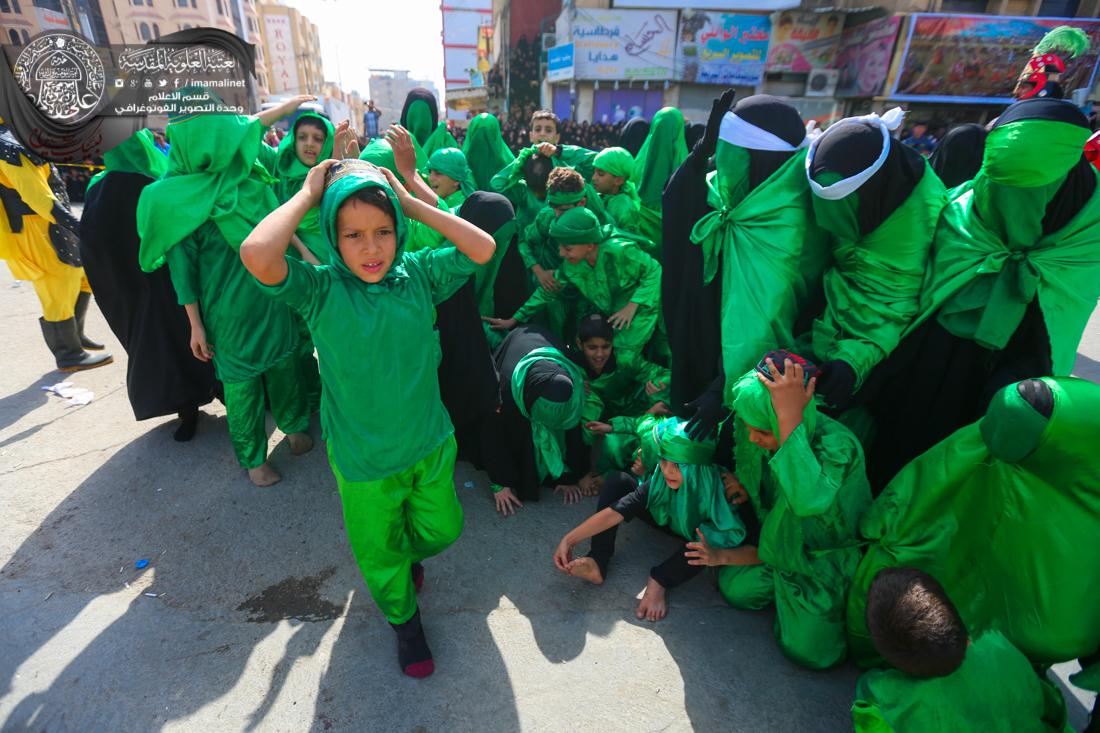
column 413, row 653
column 189, row 421
column 418, row 576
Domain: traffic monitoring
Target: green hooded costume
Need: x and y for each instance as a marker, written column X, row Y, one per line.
column 623, row 207
column 195, row 219
column 995, row 690
column 772, row 254
column 549, row 420
column 485, row 150
column 998, row 513
column 881, row 221
column 136, row 154
column 452, row 163
column 809, row 496
column 389, row 437
column 662, row 153
column 623, row 274
column 428, row 135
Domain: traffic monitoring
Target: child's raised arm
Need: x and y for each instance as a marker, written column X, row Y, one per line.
column 263, row 252
column 467, row 238
column 602, row 520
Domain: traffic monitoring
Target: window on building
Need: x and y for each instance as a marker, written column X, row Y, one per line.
column 143, row 29
column 14, row 38
column 139, row 2
column 5, row 6
column 221, row 8
column 15, row 5
column 181, row 3
column 193, row 4
column 1059, row 8
column 54, row 5
column 156, row 31
column 26, row 36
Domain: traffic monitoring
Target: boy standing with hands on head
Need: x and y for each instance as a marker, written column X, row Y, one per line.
column 371, row 313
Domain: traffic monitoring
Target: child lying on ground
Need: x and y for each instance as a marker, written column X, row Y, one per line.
column 686, row 494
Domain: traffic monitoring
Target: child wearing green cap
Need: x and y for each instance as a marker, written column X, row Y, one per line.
column 450, row 177
column 805, row 476
column 614, row 275
column 611, row 179
column 686, row 493
column 395, row 476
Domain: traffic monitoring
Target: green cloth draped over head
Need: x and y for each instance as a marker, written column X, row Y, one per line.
column 619, row 162
column 772, row 254
column 549, row 420
column 700, row 502
column 380, row 153
column 662, row 153
column 290, row 171
column 991, row 255
column 485, row 150
column 352, row 176
column 453, row 164
column 1002, row 513
column 212, row 175
column 419, row 120
column 577, row 226
column 136, row 154
column 647, row 442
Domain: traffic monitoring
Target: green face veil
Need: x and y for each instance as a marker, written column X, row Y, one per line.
column 549, row 419
column 351, row 176
column 700, row 502
column 997, row 512
column 577, row 226
column 485, row 150
column 452, row 163
column 212, row 176
column 661, row 154
column 419, row 120
column 136, row 154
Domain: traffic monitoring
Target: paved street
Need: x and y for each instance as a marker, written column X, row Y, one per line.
column 251, row 614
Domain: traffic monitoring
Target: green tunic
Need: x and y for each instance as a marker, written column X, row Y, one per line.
column 772, row 254
column 995, row 690
column 485, row 150
column 353, row 323
column 809, row 497
column 1000, row 513
column 872, row 290
column 617, row 396
column 662, row 153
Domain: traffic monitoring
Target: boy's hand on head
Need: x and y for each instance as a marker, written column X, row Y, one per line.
column 404, row 154
column 404, row 198
column 789, row 395
column 507, row 502
column 735, row 492
column 500, row 324
column 601, row 428
column 314, row 187
column 621, row 319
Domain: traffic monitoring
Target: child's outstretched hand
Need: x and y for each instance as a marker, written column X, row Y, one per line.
column 700, row 553
column 601, row 428
column 404, row 154
column 546, row 279
column 507, row 502
column 653, row 387
column 314, row 187
column 563, row 555
column 659, row 408
column 548, row 150
column 345, row 144
column 735, row 492
column 789, row 395
column 621, row 319
column 500, row 324
column 591, row 484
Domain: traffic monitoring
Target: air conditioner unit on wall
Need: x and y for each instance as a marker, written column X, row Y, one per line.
column 822, row 82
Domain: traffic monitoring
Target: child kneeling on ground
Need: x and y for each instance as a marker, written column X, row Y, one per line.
column 370, row 311
column 685, row 493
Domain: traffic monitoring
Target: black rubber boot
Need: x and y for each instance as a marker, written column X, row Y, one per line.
column 413, row 653
column 189, row 421
column 63, row 338
column 81, row 311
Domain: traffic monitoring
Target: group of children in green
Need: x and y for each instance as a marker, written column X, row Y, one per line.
column 710, row 339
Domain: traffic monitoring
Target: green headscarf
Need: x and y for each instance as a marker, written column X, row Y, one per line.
column 662, row 153
column 647, row 442
column 562, row 198
column 213, row 175
column 619, row 162
column 291, row 172
column 700, row 502
column 353, row 176
column 136, row 154
column 380, row 153
column 453, row 164
column 549, row 420
column 577, row 226
column 485, row 150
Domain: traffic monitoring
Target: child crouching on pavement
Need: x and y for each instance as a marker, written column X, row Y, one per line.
column 686, row 494
column 370, row 311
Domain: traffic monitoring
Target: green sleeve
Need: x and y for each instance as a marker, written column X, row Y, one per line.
column 867, row 718
column 525, row 252
column 592, row 412
column 810, row 489
column 647, row 272
column 580, row 158
column 508, row 178
column 301, row 289
column 183, row 269
column 624, row 424
column 622, row 213
column 447, row 269
column 647, row 371
column 268, row 157
column 538, row 300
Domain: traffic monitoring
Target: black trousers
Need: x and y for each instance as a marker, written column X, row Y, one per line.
column 672, row 572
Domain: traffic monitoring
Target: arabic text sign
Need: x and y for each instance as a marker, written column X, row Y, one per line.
column 559, row 62
column 977, row 58
column 624, row 44
column 803, row 41
column 864, row 57
column 722, row 48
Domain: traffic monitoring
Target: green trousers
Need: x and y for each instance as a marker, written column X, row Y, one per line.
column 245, row 414
column 809, row 615
column 398, row 520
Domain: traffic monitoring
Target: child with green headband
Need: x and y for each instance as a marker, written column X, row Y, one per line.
column 614, row 275
column 395, row 476
column 805, row 476
column 611, row 179
column 686, row 494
